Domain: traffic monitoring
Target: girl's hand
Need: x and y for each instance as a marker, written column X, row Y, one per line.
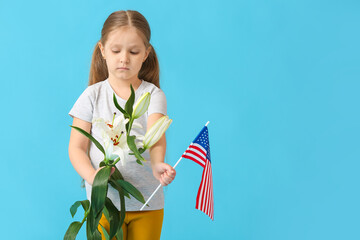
column 164, row 173
column 112, row 171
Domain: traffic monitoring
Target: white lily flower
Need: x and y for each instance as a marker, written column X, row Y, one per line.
column 136, row 125
column 141, row 105
column 156, row 131
column 140, row 137
column 115, row 132
column 109, row 152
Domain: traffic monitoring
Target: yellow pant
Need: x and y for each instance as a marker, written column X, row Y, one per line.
column 139, row 225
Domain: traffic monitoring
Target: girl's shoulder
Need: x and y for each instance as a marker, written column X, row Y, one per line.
column 95, row 89
column 157, row 100
column 96, row 86
column 151, row 88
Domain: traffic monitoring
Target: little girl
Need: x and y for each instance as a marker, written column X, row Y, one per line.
column 124, row 56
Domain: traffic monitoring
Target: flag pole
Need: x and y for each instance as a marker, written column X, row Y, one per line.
column 158, row 187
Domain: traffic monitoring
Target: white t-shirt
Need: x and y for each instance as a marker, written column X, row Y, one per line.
column 97, row 102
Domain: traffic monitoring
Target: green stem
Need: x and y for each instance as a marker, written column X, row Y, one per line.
column 106, row 161
column 118, row 159
column 86, row 213
column 130, row 125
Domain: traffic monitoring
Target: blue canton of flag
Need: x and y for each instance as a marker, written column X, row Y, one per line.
column 203, row 140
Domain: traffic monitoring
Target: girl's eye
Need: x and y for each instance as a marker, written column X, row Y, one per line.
column 130, row 52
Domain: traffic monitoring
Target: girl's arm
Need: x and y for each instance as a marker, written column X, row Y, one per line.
column 78, row 148
column 162, row 171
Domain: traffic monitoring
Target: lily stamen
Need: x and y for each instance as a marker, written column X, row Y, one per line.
column 112, row 123
column 117, row 138
column 113, row 118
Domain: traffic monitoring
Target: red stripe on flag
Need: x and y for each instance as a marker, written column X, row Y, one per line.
column 204, row 200
column 203, row 157
column 193, row 159
column 207, row 206
column 200, row 193
column 212, row 195
column 198, row 148
column 211, row 199
column 204, row 205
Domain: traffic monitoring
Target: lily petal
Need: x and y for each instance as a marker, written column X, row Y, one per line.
column 141, row 105
column 156, row 131
column 136, row 125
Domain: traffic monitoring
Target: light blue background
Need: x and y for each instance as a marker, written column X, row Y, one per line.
column 278, row 81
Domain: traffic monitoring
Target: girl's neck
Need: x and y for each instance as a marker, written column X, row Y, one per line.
column 120, row 85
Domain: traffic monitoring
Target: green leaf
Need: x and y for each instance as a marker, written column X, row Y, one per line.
column 120, row 234
column 116, row 174
column 142, row 150
column 132, row 146
column 130, row 102
column 128, row 187
column 91, row 226
column 99, row 190
column 98, row 145
column 74, row 208
column 139, row 162
column 114, row 218
column 118, row 106
column 85, row 204
column 97, row 235
column 102, row 164
column 72, row 231
column 105, row 233
column 122, row 211
column 118, row 187
column 106, row 212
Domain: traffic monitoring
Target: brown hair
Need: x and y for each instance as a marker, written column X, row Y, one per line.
column 150, row 68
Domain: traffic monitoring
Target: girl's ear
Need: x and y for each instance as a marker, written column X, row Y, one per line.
column 148, row 50
column 101, row 49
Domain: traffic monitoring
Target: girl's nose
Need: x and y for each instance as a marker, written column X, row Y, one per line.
column 124, row 58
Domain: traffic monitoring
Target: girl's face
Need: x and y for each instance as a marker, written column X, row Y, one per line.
column 124, row 52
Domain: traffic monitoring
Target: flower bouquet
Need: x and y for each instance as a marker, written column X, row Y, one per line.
column 118, row 143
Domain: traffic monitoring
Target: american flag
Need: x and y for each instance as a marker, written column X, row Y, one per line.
column 199, row 152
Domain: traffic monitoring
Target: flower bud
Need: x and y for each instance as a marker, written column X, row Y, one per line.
column 156, row 131
column 141, row 105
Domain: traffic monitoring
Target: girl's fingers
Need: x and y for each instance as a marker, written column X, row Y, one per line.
column 166, row 179
column 112, row 171
column 162, row 183
column 167, row 174
column 172, row 173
